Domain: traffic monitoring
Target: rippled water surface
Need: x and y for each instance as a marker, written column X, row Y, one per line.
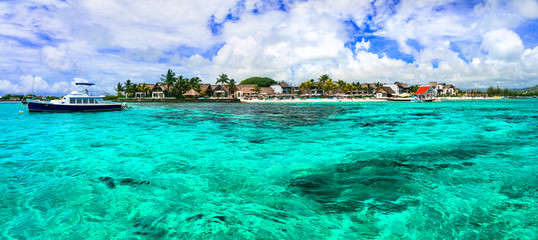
column 376, row 170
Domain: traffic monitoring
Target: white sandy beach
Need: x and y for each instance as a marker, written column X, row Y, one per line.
column 333, row 100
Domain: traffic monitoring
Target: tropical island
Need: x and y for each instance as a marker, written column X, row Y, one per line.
column 173, row 87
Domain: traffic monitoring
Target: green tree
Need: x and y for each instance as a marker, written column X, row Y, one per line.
column 490, row 91
column 232, row 87
column 413, row 88
column 119, row 89
column 257, row 89
column 341, row 84
column 223, row 79
column 322, row 80
column 181, row 86
column 506, row 92
column 195, row 83
column 306, row 87
column 143, row 88
column 329, row 86
column 169, row 79
column 260, row 81
column 348, row 88
column 129, row 88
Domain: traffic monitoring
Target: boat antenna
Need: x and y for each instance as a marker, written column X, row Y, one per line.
column 23, row 100
column 33, row 79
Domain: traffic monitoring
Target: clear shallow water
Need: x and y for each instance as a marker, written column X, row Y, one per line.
column 387, row 170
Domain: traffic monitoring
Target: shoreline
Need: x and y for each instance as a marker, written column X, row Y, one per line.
column 348, row 100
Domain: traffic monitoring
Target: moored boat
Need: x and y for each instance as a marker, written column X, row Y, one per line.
column 75, row 102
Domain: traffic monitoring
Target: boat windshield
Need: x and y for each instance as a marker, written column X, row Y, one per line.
column 75, row 100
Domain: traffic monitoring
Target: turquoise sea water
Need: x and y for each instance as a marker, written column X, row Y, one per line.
column 375, row 170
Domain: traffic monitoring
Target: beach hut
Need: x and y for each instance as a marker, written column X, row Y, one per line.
column 245, row 90
column 192, row 93
column 220, row 90
column 206, row 88
column 384, row 92
column 158, row 90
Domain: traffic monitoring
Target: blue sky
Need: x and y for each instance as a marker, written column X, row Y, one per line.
column 472, row 44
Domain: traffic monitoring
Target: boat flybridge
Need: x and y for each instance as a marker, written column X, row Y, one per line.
column 75, row 102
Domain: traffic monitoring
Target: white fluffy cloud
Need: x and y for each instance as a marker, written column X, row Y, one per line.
column 111, row 41
column 503, row 45
column 56, row 57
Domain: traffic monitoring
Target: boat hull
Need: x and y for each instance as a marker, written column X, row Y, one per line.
column 51, row 107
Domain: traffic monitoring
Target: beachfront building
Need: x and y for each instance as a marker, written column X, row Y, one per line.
column 393, row 87
column 449, row 89
column 317, row 91
column 140, row 94
column 443, row 89
column 286, row 88
column 385, row 92
column 220, row 91
column 367, row 89
column 267, row 91
column 277, row 88
column 426, row 92
column 158, row 90
column 206, row 89
column 402, row 87
column 397, row 89
column 282, row 88
column 245, row 90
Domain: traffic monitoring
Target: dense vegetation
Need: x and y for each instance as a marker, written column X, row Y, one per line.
column 531, row 89
column 173, row 85
column 260, row 81
column 326, row 83
column 491, row 91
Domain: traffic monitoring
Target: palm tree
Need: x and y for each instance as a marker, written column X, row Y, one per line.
column 341, row 84
column 223, row 79
column 357, row 85
column 323, row 78
column 329, row 86
column 176, row 89
column 304, row 87
column 369, row 87
column 169, row 79
column 129, row 88
column 348, row 88
column 195, row 83
column 378, row 84
column 257, row 89
column 119, row 89
column 143, row 88
column 232, row 87
column 182, row 85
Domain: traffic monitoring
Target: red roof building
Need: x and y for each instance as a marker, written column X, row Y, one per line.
column 423, row 89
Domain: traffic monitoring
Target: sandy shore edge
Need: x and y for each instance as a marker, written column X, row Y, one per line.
column 334, row 100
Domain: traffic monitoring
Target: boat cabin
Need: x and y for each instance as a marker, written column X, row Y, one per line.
column 78, row 98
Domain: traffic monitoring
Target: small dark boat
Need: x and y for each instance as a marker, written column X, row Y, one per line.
column 75, row 102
